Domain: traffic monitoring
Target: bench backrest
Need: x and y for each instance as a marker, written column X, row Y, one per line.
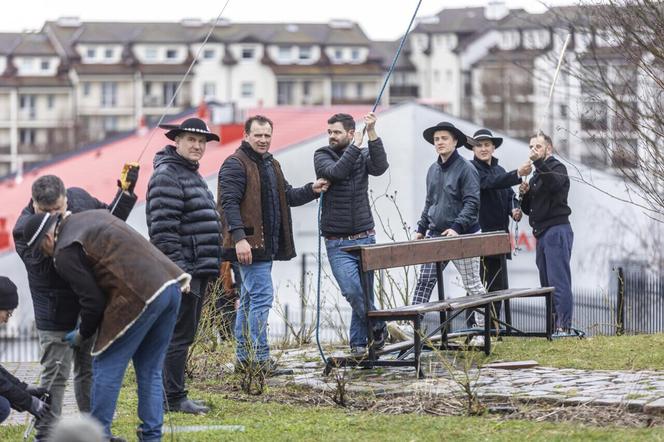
column 399, row 254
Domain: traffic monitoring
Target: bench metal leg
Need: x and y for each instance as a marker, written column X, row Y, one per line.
column 488, row 321
column 368, row 293
column 549, row 315
column 440, row 285
column 417, row 341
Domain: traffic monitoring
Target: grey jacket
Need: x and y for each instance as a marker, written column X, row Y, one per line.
column 453, row 197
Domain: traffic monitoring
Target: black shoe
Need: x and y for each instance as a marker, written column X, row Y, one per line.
column 117, row 439
column 190, row 407
column 380, row 337
column 359, row 351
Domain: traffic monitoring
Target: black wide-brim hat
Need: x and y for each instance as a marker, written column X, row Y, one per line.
column 36, row 227
column 460, row 136
column 485, row 134
column 193, row 125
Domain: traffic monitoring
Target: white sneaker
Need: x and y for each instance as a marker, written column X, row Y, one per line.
column 477, row 341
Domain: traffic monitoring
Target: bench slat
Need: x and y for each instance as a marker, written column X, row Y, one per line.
column 459, row 303
column 400, row 254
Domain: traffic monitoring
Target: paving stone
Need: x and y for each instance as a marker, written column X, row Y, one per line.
column 655, row 407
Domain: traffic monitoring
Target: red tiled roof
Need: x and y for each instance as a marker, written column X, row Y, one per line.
column 97, row 170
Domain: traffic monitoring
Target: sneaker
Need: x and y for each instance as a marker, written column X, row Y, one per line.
column 358, row 351
column 380, row 336
column 117, row 439
column 399, row 333
column 188, row 406
column 477, row 341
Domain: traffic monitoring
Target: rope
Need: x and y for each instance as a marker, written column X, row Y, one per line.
column 320, row 201
column 184, row 77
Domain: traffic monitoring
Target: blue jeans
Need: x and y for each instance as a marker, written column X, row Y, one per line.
column 145, row 343
column 255, row 304
column 553, row 254
column 347, row 272
column 5, row 409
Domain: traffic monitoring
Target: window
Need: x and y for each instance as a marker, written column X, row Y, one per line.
column 171, row 54
column 86, row 89
column 338, row 90
column 27, row 64
column 45, row 65
column 27, row 105
column 147, row 88
column 209, row 90
column 208, row 54
column 355, row 54
column 625, row 154
column 305, row 53
column 284, row 92
column 359, row 90
column 26, row 136
column 110, row 124
column 594, row 116
column 306, row 88
column 168, row 92
column 91, row 53
column 247, row 89
column 247, row 53
column 50, row 101
column 109, row 94
column 563, row 111
column 338, row 54
column 108, row 53
column 150, row 53
column 284, row 53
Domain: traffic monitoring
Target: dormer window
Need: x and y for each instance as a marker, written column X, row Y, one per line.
column 91, row 53
column 208, row 54
column 284, row 53
column 305, row 53
column 355, row 54
column 171, row 54
column 150, row 53
column 247, row 53
column 45, row 65
column 108, row 53
column 338, row 54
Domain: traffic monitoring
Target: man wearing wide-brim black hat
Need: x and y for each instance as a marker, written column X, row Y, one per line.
column 497, row 202
column 451, row 208
column 184, row 224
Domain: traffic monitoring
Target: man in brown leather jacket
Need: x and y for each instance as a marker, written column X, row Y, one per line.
column 129, row 293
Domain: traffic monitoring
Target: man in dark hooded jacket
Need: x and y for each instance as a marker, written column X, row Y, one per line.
column 184, row 224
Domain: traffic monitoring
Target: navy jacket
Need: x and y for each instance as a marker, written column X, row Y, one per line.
column 182, row 216
column 346, row 208
column 55, row 304
column 13, row 390
column 453, row 197
column 497, row 199
column 545, row 203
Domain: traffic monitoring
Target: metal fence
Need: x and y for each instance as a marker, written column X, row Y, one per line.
column 634, row 304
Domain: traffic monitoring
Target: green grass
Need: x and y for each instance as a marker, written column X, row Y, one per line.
column 640, row 352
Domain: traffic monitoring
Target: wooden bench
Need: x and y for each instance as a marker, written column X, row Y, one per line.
column 437, row 250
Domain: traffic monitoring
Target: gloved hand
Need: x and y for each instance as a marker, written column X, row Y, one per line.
column 39, row 408
column 132, row 179
column 36, row 390
column 74, row 338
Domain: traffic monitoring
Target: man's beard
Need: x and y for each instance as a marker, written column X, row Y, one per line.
column 340, row 144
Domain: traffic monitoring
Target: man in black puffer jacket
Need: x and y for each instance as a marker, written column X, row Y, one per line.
column 184, row 224
column 346, row 218
column 497, row 204
column 55, row 304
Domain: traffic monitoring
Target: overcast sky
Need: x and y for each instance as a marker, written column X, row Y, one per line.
column 380, row 19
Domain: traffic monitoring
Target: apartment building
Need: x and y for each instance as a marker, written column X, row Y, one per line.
column 36, row 106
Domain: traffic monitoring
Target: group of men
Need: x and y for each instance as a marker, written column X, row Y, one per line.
column 103, row 295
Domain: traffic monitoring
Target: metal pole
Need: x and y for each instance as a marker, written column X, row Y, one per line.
column 620, row 303
column 303, row 291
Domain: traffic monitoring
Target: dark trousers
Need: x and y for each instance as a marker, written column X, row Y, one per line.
column 494, row 277
column 553, row 254
column 184, row 334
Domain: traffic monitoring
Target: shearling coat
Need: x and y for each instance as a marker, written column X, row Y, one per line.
column 115, row 272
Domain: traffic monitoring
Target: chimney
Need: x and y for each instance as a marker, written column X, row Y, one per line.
column 69, row 22
column 495, row 10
